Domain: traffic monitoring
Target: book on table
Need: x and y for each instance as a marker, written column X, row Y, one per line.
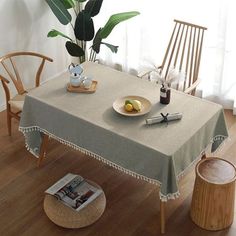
column 74, row 191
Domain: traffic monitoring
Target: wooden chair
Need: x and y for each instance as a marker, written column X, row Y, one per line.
column 14, row 104
column 183, row 53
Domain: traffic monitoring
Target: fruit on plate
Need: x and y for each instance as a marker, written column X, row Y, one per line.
column 136, row 105
column 131, row 105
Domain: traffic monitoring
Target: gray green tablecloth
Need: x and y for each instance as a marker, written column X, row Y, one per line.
column 158, row 153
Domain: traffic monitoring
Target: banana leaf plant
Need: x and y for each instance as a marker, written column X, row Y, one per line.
column 83, row 26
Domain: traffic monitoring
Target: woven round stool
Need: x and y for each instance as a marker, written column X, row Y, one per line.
column 212, row 205
column 65, row 217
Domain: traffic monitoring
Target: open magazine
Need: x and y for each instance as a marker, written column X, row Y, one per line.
column 74, row 191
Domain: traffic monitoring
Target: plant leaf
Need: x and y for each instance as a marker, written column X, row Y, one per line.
column 54, row 33
column 113, row 48
column 116, row 19
column 74, row 49
column 59, row 11
column 97, row 42
column 93, row 7
column 84, row 28
column 81, row 0
column 68, row 3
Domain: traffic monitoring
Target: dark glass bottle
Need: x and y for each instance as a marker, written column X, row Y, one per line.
column 165, row 95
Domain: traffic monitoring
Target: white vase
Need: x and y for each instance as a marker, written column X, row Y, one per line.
column 76, row 80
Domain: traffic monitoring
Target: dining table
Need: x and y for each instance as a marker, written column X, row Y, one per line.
column 91, row 123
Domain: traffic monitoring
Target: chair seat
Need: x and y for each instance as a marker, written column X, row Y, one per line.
column 18, row 100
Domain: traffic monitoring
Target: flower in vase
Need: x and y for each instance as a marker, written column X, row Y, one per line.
column 174, row 76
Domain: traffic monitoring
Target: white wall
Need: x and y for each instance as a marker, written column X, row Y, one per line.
column 24, row 27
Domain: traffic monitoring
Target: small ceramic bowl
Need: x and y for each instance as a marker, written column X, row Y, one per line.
column 87, row 82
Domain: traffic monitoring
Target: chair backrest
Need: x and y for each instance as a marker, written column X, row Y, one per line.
column 184, row 52
column 9, row 65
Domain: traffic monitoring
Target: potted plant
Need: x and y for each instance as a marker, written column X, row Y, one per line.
column 83, row 26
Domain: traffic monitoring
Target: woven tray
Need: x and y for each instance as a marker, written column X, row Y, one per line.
column 81, row 89
column 65, row 217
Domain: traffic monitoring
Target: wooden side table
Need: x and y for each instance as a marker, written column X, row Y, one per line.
column 65, row 217
column 212, row 205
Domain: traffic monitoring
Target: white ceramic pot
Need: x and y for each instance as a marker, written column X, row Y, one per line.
column 76, row 81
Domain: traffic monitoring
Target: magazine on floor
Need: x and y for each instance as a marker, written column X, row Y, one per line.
column 74, row 191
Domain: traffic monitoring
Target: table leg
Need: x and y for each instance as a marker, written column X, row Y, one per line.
column 162, row 213
column 43, row 148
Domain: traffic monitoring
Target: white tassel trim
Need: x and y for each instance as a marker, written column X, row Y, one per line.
column 223, row 138
column 169, row 196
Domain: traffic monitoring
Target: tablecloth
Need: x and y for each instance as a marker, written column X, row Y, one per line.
column 158, row 153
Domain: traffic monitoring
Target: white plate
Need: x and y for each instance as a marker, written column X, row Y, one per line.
column 118, row 106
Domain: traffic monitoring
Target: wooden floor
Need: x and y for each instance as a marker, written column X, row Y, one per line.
column 132, row 205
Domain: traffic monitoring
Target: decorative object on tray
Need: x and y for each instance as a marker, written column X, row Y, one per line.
column 164, row 118
column 132, row 105
column 74, row 202
column 75, row 74
column 81, row 89
column 78, row 82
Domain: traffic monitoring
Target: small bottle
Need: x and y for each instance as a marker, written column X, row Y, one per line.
column 164, row 95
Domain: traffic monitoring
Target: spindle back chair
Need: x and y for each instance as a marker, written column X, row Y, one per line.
column 183, row 54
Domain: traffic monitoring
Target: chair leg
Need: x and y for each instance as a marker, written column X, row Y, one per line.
column 9, row 123
column 43, row 148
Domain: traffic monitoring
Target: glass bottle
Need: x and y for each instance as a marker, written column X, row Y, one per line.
column 165, row 94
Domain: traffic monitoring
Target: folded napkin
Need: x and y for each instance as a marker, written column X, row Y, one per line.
column 163, row 118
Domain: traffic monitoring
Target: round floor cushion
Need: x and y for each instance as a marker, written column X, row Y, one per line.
column 65, row 217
